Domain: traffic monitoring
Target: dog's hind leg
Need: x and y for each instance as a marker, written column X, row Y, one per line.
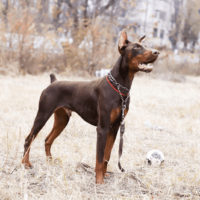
column 61, row 119
column 39, row 122
column 47, row 105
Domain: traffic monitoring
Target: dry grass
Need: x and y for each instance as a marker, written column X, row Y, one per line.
column 175, row 106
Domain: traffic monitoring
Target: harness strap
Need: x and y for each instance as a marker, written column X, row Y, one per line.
column 115, row 88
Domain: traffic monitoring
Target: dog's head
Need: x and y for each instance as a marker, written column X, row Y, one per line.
column 137, row 55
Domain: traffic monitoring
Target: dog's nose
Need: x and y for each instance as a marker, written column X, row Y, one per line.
column 155, row 52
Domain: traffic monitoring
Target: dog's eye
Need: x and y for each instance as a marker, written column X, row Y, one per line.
column 137, row 47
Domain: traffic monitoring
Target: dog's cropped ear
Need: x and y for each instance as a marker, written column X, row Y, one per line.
column 123, row 40
column 142, row 38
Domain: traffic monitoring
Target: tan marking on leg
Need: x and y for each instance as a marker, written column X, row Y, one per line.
column 114, row 114
column 40, row 120
column 25, row 159
column 109, row 145
column 99, row 172
column 61, row 118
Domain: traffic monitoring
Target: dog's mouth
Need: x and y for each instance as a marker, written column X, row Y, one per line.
column 146, row 66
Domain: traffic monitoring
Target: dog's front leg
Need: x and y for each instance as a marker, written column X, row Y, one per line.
column 102, row 131
column 109, row 145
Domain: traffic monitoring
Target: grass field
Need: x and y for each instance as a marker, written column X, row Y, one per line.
column 174, row 106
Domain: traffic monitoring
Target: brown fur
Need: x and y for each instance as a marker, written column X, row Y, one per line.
column 114, row 114
column 61, row 118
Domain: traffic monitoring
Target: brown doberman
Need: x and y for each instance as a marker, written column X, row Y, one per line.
column 98, row 102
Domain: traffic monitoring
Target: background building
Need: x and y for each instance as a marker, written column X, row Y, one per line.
column 152, row 18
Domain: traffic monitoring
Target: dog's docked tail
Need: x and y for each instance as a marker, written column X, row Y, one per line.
column 53, row 78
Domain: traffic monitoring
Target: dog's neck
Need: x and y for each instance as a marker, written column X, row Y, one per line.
column 120, row 72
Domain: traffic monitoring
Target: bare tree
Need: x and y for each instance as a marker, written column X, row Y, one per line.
column 79, row 12
column 6, row 4
column 191, row 24
column 176, row 18
column 187, row 20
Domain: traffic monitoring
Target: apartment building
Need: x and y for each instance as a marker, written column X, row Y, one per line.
column 152, row 18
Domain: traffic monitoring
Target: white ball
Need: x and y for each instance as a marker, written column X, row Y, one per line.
column 155, row 157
